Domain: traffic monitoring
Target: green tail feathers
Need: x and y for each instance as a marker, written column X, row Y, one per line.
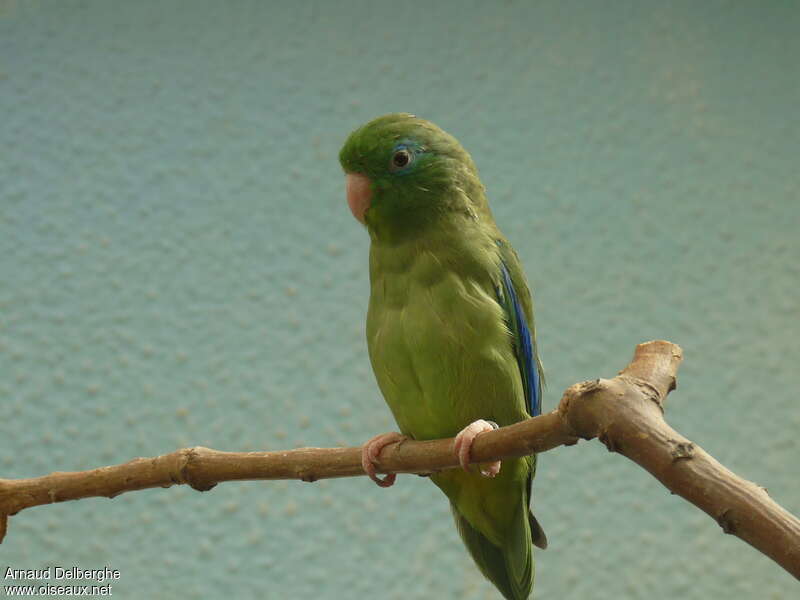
column 509, row 568
column 537, row 533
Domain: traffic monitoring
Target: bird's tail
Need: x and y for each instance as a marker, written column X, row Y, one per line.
column 510, row 567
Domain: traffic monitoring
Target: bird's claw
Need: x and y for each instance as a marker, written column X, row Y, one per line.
column 370, row 452
column 463, row 444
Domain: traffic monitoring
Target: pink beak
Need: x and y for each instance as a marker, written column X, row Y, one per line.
column 359, row 194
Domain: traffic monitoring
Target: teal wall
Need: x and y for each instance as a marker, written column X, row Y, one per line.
column 178, row 267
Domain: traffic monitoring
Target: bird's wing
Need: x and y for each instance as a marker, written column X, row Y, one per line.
column 514, row 297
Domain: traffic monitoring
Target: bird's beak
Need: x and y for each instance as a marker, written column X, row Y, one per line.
column 359, row 194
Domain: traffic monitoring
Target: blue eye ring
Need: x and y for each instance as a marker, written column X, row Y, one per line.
column 403, row 157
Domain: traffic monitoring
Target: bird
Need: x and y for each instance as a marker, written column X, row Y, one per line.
column 450, row 330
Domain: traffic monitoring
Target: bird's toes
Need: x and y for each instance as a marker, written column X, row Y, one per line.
column 370, row 452
column 464, row 440
column 491, row 469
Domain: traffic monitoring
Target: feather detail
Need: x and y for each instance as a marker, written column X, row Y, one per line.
column 523, row 344
column 509, row 567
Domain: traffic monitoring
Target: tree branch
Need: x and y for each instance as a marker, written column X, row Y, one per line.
column 625, row 413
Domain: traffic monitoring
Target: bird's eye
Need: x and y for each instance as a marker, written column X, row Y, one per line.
column 401, row 159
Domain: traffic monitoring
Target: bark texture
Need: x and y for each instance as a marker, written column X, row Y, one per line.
column 626, row 413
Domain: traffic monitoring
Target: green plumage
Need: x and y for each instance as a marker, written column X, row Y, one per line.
column 439, row 339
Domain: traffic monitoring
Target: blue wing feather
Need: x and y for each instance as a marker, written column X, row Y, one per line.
column 523, row 345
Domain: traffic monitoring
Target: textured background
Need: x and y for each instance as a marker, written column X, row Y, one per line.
column 178, row 267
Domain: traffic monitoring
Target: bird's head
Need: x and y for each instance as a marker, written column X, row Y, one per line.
column 404, row 173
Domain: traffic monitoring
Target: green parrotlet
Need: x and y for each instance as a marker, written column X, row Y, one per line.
column 450, row 329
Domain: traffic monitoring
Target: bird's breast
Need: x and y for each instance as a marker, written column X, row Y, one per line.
column 439, row 346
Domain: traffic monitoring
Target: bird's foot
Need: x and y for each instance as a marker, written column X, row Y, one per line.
column 370, row 452
column 463, row 444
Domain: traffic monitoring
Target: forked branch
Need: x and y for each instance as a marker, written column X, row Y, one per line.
column 625, row 413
